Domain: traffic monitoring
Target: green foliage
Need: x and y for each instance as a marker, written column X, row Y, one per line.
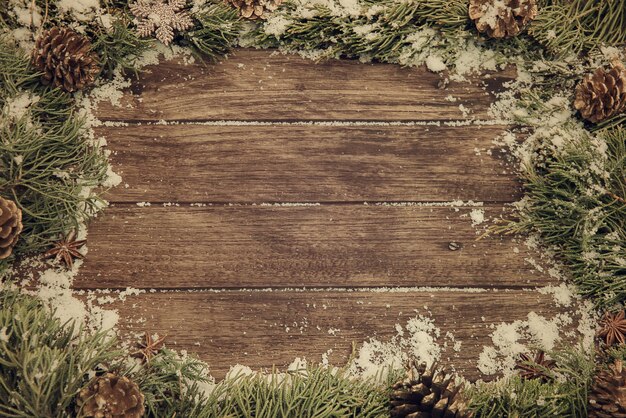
column 172, row 385
column 573, row 26
column 566, row 396
column 46, row 161
column 118, row 47
column 576, row 201
column 218, row 27
column 314, row 392
column 43, row 362
column 390, row 28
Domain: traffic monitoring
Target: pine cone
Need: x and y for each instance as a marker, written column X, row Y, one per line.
column 502, row 18
column 110, row 396
column 10, row 226
column 608, row 393
column 65, row 58
column 602, row 94
column 255, row 9
column 427, row 393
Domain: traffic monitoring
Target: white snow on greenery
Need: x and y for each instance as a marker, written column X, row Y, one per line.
column 510, row 339
column 417, row 341
column 17, row 107
column 81, row 10
column 27, row 12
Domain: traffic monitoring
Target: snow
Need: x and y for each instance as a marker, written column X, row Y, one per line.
column 417, row 341
column 276, row 25
column 81, row 10
column 4, row 336
column 18, row 106
column 477, row 216
column 435, row 63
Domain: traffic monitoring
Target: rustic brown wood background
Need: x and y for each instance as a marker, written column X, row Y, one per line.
column 224, row 270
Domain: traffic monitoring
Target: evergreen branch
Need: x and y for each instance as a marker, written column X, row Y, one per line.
column 313, row 392
column 118, row 47
column 574, row 26
column 565, row 396
column 46, row 161
column 43, row 362
column 217, row 30
column 575, row 202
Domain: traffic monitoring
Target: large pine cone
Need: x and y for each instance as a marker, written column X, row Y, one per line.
column 255, row 9
column 602, row 94
column 10, row 226
column 608, row 393
column 110, row 396
column 65, row 58
column 427, row 393
column 502, row 18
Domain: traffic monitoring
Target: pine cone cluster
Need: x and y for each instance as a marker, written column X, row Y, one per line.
column 10, row 226
column 110, row 396
column 66, row 59
column 425, row 393
column 608, row 393
column 602, row 94
column 255, row 9
column 502, row 18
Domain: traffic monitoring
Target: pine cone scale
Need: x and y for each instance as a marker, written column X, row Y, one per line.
column 10, row 226
column 608, row 393
column 254, row 9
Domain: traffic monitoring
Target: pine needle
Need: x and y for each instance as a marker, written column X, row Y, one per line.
column 43, row 362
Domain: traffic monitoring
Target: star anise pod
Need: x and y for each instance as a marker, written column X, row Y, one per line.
column 148, row 348
column 66, row 250
column 536, row 368
column 613, row 328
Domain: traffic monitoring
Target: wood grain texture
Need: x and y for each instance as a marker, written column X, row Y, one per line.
column 268, row 86
column 255, row 164
column 273, row 246
column 261, row 329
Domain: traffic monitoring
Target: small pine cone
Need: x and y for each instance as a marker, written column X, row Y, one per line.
column 602, row 94
column 608, row 393
column 427, row 393
column 10, row 226
column 255, row 9
column 65, row 58
column 502, row 18
column 110, row 396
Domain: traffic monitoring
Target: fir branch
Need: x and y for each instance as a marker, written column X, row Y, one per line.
column 573, row 26
column 118, row 47
column 566, row 396
column 574, row 201
column 217, row 30
column 172, row 385
column 313, row 392
column 46, row 160
column 43, row 362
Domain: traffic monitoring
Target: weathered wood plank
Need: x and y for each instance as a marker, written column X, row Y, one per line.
column 264, row 85
column 255, row 164
column 272, row 246
column 261, row 329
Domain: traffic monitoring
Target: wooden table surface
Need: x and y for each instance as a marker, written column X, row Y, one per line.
column 287, row 198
